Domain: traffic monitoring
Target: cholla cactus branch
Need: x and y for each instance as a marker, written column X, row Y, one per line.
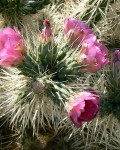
column 96, row 10
column 37, row 90
column 14, row 10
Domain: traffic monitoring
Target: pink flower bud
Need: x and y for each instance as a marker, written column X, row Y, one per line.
column 116, row 60
column 83, row 107
column 47, row 33
column 75, row 30
column 12, row 47
column 93, row 54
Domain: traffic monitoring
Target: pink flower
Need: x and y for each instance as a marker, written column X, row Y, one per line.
column 83, row 107
column 47, row 33
column 93, row 54
column 11, row 47
column 75, row 30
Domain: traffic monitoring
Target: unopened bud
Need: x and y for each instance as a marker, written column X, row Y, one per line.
column 38, row 87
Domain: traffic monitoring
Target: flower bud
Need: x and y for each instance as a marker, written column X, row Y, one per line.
column 47, row 33
column 116, row 60
column 37, row 87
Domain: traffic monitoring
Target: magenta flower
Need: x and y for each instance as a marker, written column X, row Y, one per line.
column 116, row 60
column 93, row 54
column 83, row 107
column 11, row 47
column 75, row 30
column 47, row 33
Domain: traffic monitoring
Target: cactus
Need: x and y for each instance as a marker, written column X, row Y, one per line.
column 110, row 104
column 13, row 10
column 109, row 26
column 33, row 93
column 49, row 67
column 96, row 10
